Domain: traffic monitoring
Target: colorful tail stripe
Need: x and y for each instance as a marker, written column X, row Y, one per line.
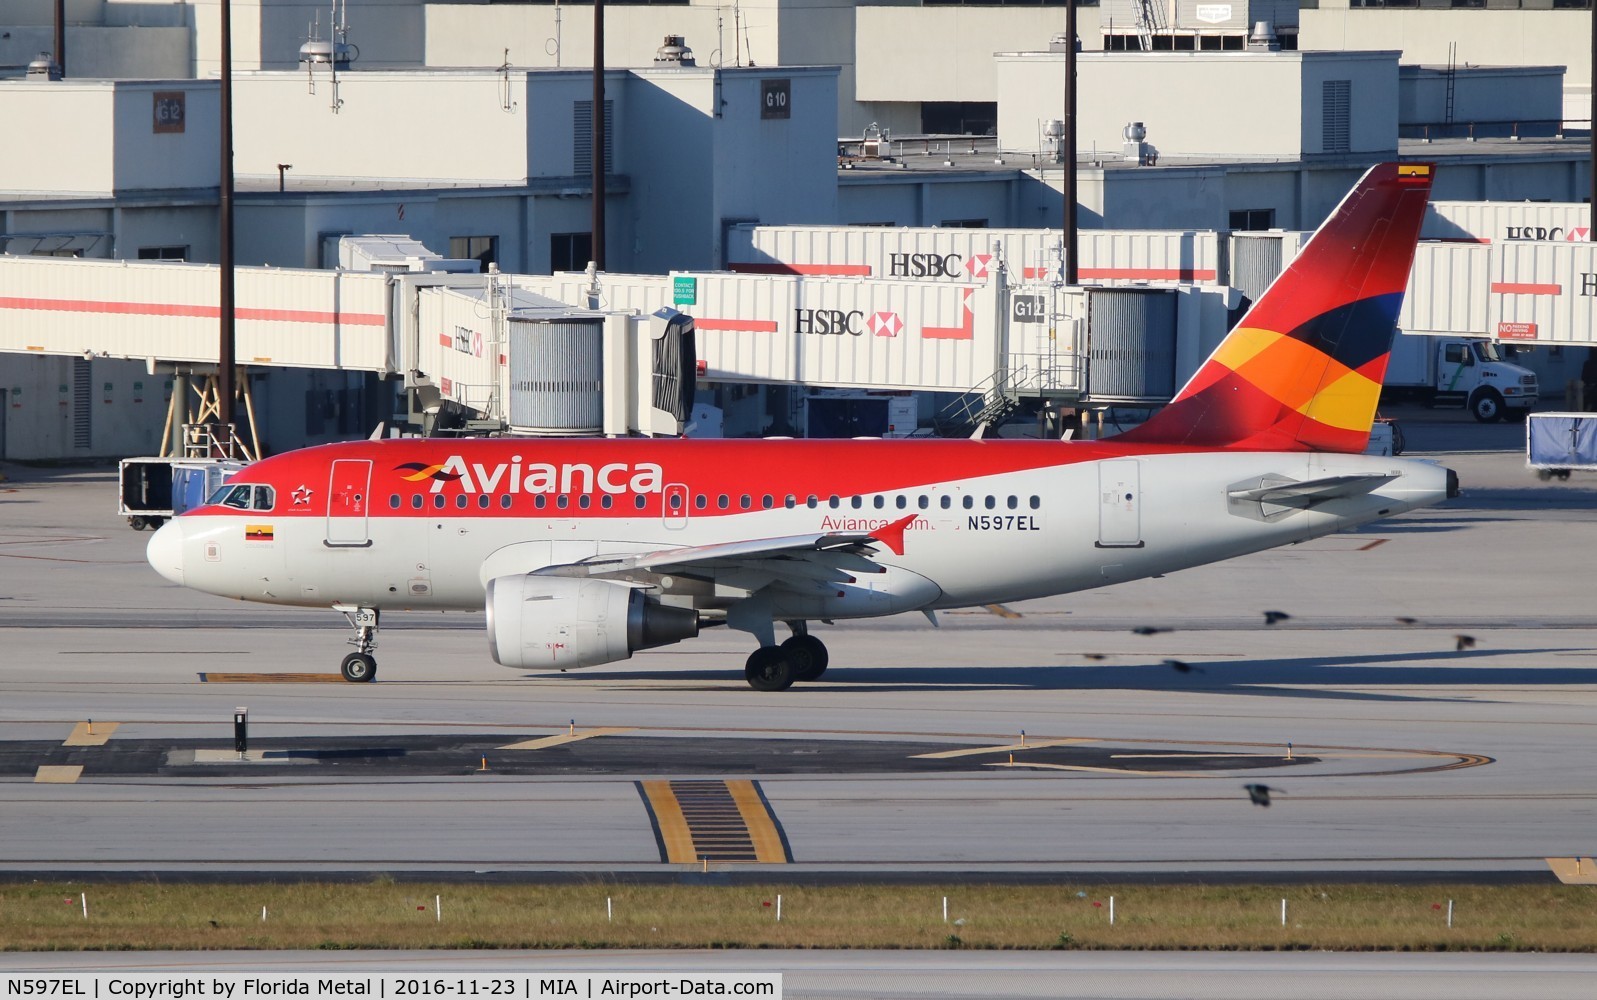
column 1303, row 370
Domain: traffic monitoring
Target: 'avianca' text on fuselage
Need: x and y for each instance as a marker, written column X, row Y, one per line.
column 457, row 474
column 1262, row 447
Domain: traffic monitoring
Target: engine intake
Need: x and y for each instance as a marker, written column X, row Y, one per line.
column 551, row 621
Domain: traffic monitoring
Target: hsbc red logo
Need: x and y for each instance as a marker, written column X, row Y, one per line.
column 884, row 324
column 976, row 266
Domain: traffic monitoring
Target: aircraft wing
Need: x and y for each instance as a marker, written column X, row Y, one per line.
column 748, row 564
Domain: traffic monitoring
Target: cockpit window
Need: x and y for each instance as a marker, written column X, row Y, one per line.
column 237, row 497
column 243, row 496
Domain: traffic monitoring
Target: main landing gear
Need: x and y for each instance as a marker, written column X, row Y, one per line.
column 800, row 658
column 360, row 666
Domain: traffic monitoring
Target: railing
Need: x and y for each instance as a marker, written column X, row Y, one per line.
column 1513, row 130
column 996, row 398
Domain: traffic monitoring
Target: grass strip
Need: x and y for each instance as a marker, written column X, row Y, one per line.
column 382, row 913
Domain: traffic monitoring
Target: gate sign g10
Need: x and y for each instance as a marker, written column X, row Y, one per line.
column 1027, row 309
column 775, row 98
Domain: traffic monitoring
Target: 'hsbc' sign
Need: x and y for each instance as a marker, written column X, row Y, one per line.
column 924, row 265
column 1578, row 234
column 828, row 321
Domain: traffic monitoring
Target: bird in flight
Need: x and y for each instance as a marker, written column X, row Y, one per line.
column 1259, row 795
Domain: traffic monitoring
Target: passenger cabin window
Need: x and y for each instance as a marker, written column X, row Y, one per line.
column 638, row 501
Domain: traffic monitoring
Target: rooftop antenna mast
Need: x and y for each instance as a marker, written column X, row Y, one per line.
column 506, row 99
column 336, row 53
column 552, row 46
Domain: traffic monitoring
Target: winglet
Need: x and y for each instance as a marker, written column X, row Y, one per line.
column 892, row 535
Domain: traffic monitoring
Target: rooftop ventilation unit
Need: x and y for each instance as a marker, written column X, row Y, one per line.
column 1264, row 38
column 674, row 52
column 44, row 68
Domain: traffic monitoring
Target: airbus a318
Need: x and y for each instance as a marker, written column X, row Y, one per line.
column 583, row 552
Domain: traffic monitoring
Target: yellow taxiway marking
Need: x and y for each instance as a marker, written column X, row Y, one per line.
column 90, row 734
column 212, row 678
column 1007, row 748
column 57, row 774
column 757, row 817
column 554, row 741
column 673, row 825
column 1574, row 871
column 1003, row 612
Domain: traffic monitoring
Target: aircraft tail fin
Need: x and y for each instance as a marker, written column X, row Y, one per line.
column 1302, row 371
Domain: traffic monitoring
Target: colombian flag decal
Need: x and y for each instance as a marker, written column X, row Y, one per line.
column 257, row 532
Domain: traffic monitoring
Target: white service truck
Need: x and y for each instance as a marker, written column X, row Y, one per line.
column 1467, row 372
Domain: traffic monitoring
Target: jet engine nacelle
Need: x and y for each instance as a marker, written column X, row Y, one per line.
column 552, row 621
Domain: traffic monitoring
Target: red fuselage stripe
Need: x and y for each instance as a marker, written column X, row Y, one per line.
column 189, row 310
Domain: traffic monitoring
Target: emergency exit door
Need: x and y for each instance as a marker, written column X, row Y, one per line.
column 349, row 502
column 1119, row 504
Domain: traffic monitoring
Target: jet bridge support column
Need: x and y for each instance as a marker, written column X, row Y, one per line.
column 177, row 415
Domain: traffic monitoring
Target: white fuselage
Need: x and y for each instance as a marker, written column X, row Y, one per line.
column 1001, row 538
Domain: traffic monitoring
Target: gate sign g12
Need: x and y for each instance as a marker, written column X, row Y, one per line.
column 1027, row 309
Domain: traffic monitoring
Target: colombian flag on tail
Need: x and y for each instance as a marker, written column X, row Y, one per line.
column 1302, row 371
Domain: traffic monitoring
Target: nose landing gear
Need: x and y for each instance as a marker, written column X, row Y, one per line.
column 360, row 666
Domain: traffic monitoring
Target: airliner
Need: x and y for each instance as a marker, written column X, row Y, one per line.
column 583, row 552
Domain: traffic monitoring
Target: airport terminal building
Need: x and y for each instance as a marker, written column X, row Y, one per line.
column 1215, row 128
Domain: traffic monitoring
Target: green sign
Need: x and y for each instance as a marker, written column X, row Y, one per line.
column 684, row 291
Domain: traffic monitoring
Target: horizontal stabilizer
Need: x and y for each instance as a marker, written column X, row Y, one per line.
column 1312, row 491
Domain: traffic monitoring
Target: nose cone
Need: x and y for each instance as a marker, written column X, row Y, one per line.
column 165, row 551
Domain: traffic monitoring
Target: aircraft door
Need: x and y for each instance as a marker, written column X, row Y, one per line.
column 1119, row 504
column 348, row 503
column 674, row 505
